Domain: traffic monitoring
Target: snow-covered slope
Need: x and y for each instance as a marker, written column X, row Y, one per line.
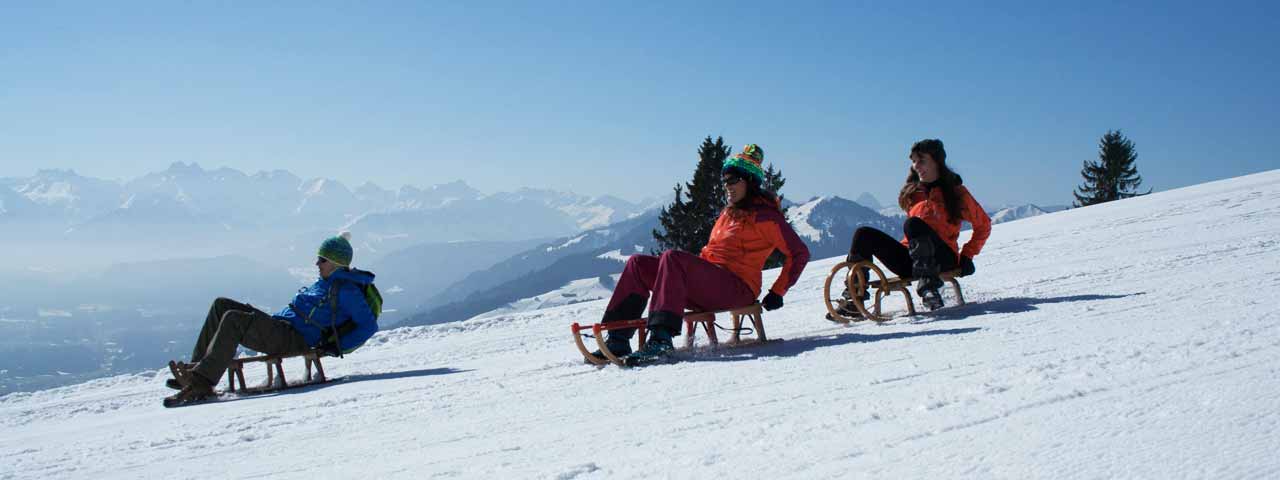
column 1135, row 339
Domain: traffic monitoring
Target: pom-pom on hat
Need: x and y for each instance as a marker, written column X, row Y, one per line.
column 746, row 164
column 337, row 249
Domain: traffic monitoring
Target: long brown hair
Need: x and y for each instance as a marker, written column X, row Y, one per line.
column 748, row 202
column 947, row 179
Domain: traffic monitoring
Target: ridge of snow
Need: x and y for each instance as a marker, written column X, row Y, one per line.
column 569, row 243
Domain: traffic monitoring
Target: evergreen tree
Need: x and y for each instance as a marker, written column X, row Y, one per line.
column 687, row 222
column 773, row 181
column 1113, row 176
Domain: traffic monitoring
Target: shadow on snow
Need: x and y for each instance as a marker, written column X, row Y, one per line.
column 345, row 379
column 1009, row 305
column 795, row 346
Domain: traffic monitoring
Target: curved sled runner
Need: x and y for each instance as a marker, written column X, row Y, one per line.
column 859, row 278
column 752, row 312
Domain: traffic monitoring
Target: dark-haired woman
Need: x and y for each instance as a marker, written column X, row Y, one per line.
column 936, row 202
column 725, row 275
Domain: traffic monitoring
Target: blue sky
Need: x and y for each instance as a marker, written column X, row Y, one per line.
column 614, row 97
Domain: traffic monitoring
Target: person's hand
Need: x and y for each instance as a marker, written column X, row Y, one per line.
column 328, row 349
column 966, row 266
column 772, row 301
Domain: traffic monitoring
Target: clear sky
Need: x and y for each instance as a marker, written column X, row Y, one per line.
column 605, row 97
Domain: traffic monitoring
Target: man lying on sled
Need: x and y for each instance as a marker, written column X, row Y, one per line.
column 334, row 303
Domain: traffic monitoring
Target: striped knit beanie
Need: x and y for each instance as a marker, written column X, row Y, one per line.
column 337, row 249
column 746, row 164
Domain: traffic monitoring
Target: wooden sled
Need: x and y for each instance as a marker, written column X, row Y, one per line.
column 708, row 322
column 852, row 276
column 275, row 369
column 691, row 320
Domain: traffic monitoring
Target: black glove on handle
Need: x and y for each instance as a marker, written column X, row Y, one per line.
column 966, row 266
column 772, row 301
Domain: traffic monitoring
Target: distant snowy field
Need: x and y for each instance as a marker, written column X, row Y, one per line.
column 1137, row 339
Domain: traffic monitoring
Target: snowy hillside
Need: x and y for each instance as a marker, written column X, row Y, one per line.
column 1135, row 339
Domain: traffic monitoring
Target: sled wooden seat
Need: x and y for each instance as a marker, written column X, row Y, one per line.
column 708, row 322
column 275, row 367
column 882, row 285
column 691, row 320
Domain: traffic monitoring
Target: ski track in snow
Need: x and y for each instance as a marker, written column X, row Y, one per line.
column 1137, row 339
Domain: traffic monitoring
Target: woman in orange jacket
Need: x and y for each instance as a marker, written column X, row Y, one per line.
column 936, row 201
column 725, row 275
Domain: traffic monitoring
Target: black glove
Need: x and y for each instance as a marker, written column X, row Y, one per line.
column 328, row 343
column 966, row 266
column 772, row 301
column 328, row 349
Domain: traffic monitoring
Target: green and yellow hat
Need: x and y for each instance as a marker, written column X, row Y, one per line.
column 746, row 164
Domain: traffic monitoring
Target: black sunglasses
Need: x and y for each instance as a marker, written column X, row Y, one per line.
column 321, row 260
column 732, row 180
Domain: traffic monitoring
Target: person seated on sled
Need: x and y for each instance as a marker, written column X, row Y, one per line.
column 936, row 201
column 307, row 322
column 725, row 275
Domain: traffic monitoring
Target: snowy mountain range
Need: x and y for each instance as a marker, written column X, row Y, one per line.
column 826, row 224
column 186, row 190
column 1057, row 368
column 187, row 206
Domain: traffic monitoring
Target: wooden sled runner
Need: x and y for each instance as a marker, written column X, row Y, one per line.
column 275, row 370
column 854, row 276
column 691, row 322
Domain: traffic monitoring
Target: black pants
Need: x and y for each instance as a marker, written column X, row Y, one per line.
column 869, row 242
column 231, row 324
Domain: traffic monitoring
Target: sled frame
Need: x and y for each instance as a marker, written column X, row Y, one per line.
column 708, row 322
column 691, row 320
column 275, row 369
column 857, row 281
column 597, row 331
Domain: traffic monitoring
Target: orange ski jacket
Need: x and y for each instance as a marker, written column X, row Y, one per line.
column 930, row 208
column 742, row 242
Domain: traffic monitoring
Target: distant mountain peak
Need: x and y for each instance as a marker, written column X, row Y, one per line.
column 185, row 168
column 1009, row 214
column 869, row 201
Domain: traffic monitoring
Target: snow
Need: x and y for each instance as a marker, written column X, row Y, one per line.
column 614, row 255
column 619, row 256
column 590, row 216
column 1009, row 214
column 892, row 211
column 568, row 243
column 577, row 291
column 51, row 193
column 799, row 218
column 1134, row 339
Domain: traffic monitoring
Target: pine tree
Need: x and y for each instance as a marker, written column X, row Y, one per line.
column 687, row 222
column 773, row 181
column 1113, row 176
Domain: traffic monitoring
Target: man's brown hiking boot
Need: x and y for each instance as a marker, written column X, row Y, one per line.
column 195, row 388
